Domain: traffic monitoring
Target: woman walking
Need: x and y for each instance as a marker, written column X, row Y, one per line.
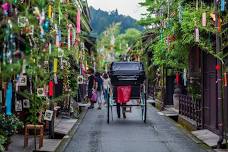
column 99, row 89
column 106, row 86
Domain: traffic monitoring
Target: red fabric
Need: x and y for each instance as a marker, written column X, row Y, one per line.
column 51, row 90
column 177, row 78
column 123, row 94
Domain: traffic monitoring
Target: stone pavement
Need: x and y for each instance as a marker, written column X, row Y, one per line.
column 159, row 134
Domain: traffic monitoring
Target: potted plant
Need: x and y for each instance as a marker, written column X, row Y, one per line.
column 8, row 127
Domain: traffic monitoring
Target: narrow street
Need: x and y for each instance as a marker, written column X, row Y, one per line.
column 131, row 135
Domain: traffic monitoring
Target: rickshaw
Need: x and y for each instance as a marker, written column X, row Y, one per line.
column 128, row 83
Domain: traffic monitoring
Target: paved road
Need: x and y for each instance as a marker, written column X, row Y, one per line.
column 131, row 135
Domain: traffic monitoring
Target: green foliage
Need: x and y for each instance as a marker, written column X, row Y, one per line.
column 2, row 142
column 9, row 125
column 174, row 53
column 102, row 19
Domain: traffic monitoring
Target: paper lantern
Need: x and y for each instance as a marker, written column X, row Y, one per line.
column 204, row 19
column 196, row 35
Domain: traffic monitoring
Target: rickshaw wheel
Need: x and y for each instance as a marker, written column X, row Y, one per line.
column 108, row 110
column 145, row 108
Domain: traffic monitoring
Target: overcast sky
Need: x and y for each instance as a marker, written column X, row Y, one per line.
column 125, row 7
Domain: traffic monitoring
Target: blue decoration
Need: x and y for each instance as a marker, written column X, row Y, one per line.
column 46, row 26
column 222, row 5
column 9, row 94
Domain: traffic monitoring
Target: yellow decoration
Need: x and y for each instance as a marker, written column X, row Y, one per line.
column 49, row 11
column 55, row 65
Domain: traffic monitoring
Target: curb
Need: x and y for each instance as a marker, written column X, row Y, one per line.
column 67, row 138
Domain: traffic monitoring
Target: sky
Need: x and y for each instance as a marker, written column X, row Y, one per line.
column 125, row 7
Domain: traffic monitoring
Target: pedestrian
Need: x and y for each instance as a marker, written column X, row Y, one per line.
column 99, row 89
column 106, row 86
column 91, row 85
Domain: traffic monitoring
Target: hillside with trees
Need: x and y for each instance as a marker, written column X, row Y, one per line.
column 100, row 20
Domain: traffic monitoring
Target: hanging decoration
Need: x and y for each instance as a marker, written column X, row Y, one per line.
column 6, row 8
column 51, row 88
column 222, row 5
column 60, row 12
column 55, row 65
column 196, row 34
column 180, row 13
column 69, row 36
column 9, row 94
column 225, row 79
column 185, row 77
column 50, row 48
column 78, row 22
column 46, row 26
column 177, row 78
column 219, row 24
column 49, row 11
column 204, row 19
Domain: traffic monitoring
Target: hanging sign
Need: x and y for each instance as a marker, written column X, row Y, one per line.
column 80, row 79
column 48, row 115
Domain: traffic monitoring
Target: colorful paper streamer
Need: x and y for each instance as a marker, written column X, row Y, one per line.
column 55, row 65
column 204, row 19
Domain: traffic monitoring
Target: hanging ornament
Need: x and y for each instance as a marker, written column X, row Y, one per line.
column 50, row 48
column 180, row 13
column 74, row 37
column 57, row 41
column 46, row 26
column 185, row 77
column 51, row 88
column 42, row 17
column 9, row 95
column 219, row 24
column 55, row 78
column 55, row 65
column 6, row 8
column 225, row 79
column 222, row 5
column 36, row 12
column 177, row 78
column 22, row 21
column 204, row 19
column 60, row 13
column 49, row 11
column 78, row 22
column 60, row 52
column 196, row 34
column 69, row 36
column 41, row 32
